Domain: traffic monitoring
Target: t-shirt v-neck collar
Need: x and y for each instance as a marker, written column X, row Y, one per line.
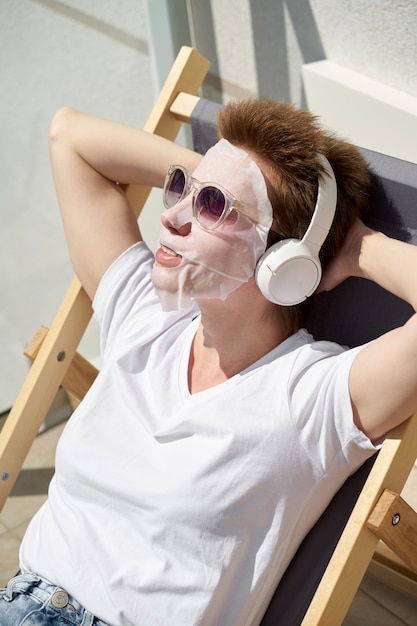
column 288, row 344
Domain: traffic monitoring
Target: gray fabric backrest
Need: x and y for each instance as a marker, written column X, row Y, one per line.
column 203, row 125
column 355, row 312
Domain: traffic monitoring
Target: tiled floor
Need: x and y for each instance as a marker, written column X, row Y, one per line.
column 374, row 605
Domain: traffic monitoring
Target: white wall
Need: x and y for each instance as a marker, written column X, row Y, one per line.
column 95, row 55
column 91, row 55
column 260, row 45
column 367, row 112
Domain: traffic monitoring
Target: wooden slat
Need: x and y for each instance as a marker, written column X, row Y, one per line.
column 80, row 375
column 395, row 522
column 386, row 567
column 79, row 378
column 33, row 347
column 183, row 106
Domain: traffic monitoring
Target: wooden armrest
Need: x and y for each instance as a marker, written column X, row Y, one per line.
column 395, row 523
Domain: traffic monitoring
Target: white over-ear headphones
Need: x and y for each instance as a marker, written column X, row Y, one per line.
column 290, row 270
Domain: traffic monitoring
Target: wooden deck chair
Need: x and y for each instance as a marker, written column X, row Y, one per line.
column 313, row 591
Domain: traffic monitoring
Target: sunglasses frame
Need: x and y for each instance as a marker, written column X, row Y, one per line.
column 192, row 185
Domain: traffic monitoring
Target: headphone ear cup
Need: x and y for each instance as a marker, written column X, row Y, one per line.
column 288, row 272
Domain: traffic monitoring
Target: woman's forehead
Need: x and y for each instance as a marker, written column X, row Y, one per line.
column 236, row 171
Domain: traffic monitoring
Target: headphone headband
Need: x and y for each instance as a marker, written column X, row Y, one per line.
column 325, row 208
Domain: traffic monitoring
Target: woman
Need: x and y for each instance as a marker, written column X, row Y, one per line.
column 217, row 430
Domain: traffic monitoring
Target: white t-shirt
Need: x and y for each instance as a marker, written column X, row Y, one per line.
column 180, row 509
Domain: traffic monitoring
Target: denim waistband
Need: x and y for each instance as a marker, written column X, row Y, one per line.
column 53, row 596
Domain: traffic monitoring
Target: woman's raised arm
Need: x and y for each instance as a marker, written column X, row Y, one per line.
column 383, row 378
column 89, row 157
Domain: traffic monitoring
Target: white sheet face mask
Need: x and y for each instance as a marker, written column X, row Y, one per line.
column 197, row 263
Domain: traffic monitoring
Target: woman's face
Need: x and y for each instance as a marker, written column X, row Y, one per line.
column 195, row 263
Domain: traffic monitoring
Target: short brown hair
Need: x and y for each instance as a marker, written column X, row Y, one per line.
column 287, row 140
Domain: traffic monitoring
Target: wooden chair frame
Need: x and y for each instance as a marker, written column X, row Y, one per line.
column 380, row 512
column 55, row 354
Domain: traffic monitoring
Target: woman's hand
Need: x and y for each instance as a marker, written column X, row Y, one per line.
column 347, row 262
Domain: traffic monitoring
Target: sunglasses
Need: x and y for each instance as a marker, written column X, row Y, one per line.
column 212, row 204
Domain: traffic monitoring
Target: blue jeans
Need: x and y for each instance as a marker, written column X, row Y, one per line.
column 29, row 601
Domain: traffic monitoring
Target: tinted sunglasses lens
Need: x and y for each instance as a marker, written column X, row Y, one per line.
column 174, row 188
column 209, row 206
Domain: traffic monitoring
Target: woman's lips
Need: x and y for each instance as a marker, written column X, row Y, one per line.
column 167, row 257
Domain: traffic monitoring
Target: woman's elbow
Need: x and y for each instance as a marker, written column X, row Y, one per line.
column 60, row 126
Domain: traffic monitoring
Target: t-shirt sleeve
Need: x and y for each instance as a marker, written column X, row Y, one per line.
column 126, row 303
column 321, row 408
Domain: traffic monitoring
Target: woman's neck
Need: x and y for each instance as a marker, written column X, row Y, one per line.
column 230, row 338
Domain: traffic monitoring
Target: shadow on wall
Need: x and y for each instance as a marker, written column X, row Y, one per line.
column 272, row 46
column 201, row 13
column 271, row 43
